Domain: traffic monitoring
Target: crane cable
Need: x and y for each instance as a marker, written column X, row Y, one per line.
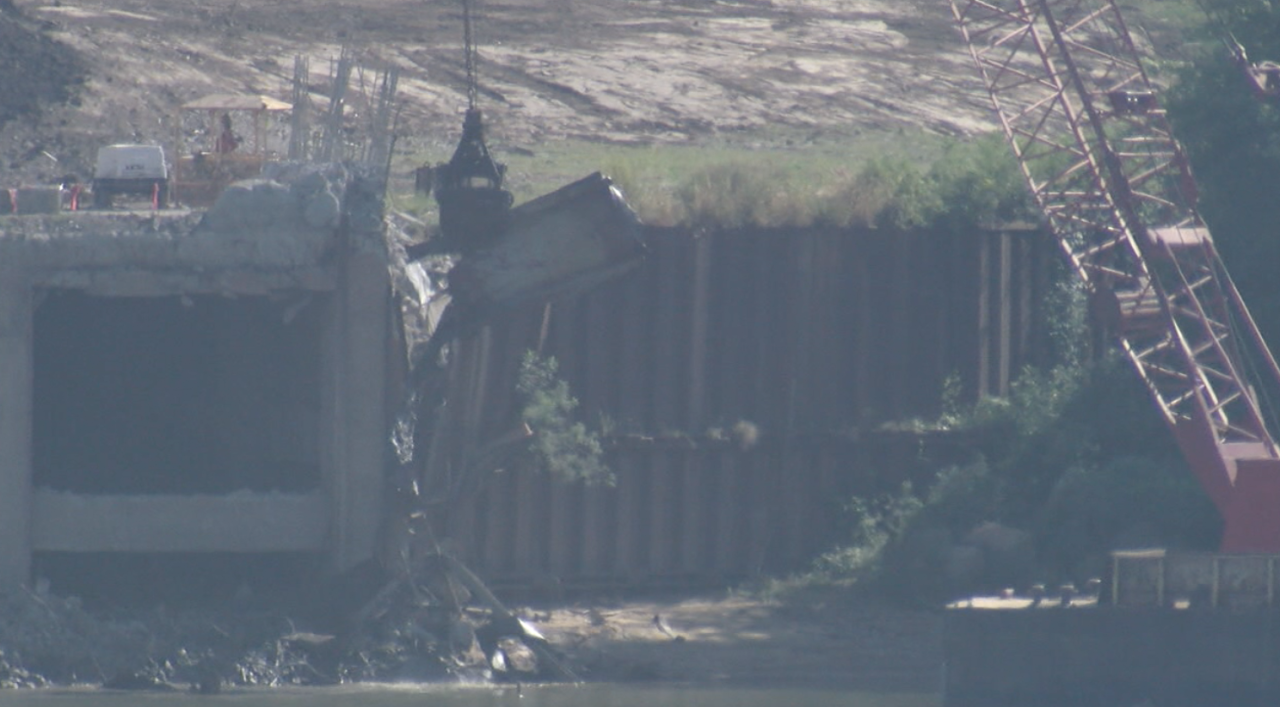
column 470, row 48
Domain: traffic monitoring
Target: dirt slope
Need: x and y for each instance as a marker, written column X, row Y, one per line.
column 28, row 58
column 615, row 70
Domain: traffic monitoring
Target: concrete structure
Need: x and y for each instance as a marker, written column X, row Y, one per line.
column 1167, row 628
column 179, row 382
column 1158, row 578
column 1110, row 656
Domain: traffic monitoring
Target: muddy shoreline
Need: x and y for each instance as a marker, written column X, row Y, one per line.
column 826, row 638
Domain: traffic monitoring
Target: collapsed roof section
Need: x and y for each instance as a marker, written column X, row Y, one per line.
column 558, row 245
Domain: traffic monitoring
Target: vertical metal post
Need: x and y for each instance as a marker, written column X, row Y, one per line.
column 1271, row 581
column 1214, row 591
column 1160, row 583
column 1115, row 580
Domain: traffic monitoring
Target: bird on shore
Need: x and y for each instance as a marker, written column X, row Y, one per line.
column 1037, row 595
column 1067, row 592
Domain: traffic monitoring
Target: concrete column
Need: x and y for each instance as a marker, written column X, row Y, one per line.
column 357, row 358
column 15, row 426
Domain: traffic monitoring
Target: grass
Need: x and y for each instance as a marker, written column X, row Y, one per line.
column 888, row 179
column 1168, row 15
column 780, row 176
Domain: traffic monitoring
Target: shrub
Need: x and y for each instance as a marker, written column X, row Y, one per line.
column 979, row 183
column 972, row 183
column 728, row 195
column 873, row 524
column 1092, row 507
column 562, row 446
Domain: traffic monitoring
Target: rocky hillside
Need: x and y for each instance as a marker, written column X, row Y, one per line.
column 36, row 72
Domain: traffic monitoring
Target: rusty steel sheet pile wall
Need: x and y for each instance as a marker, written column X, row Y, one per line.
column 747, row 376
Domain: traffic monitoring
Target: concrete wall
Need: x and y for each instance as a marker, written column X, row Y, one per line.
column 15, row 423
column 356, row 432
column 269, row 239
column 242, row 522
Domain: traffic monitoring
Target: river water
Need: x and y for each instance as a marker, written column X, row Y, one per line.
column 451, row 696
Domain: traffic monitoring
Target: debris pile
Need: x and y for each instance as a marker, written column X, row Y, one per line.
column 438, row 622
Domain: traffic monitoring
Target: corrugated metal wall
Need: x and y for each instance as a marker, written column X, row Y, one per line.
column 814, row 337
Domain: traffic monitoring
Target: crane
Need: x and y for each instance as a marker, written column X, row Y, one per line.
column 1115, row 190
column 473, row 205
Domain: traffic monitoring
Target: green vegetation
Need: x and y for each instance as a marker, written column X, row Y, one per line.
column 1076, row 458
column 561, row 446
column 1177, row 13
column 1233, row 141
column 875, row 183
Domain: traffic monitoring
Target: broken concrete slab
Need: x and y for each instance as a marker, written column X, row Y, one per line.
column 557, row 245
column 277, row 233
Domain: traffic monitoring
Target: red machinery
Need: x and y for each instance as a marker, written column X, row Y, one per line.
column 1114, row 186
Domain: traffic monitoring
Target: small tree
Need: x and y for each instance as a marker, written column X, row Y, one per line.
column 561, row 445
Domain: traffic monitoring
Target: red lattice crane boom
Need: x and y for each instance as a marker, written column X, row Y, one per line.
column 1084, row 120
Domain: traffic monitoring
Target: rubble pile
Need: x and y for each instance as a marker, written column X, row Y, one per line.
column 289, row 197
column 420, row 627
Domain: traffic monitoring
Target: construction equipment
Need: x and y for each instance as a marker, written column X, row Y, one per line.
column 221, row 155
column 1115, row 189
column 473, row 205
column 136, row 170
column 1263, row 76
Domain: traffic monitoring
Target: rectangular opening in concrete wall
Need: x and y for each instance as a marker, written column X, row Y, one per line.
column 179, row 579
column 191, row 394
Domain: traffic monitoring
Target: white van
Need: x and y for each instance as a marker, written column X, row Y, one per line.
column 137, row 170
